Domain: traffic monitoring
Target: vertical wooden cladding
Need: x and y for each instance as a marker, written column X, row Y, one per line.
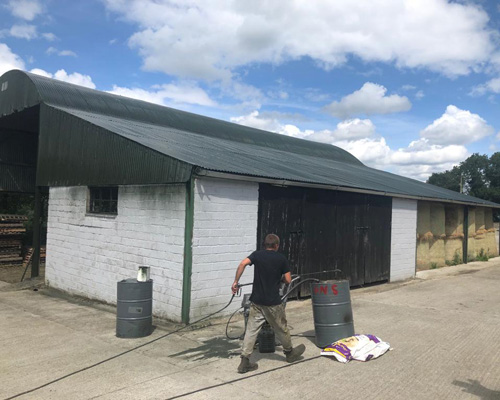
column 324, row 230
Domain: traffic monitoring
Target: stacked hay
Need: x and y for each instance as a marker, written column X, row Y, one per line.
column 490, row 240
column 424, row 234
column 436, row 246
column 480, row 232
column 454, row 229
column 471, row 243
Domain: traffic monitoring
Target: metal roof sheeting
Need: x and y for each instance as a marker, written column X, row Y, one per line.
column 81, row 127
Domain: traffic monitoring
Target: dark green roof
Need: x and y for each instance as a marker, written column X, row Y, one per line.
column 133, row 141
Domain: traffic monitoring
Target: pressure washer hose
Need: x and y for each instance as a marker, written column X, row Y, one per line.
column 283, row 299
column 119, row 354
column 147, row 343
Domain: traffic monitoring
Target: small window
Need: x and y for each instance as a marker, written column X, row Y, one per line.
column 103, row 200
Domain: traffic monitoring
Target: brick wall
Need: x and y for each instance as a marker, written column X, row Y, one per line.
column 87, row 254
column 225, row 232
column 403, row 239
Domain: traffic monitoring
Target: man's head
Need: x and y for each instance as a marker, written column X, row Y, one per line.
column 272, row 242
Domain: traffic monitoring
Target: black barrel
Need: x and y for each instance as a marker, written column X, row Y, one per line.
column 331, row 302
column 134, row 308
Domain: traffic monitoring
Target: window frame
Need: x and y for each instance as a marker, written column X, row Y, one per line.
column 102, row 200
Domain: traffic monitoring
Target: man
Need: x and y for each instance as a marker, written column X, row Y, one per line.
column 270, row 268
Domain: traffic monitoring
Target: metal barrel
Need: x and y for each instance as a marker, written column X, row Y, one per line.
column 134, row 308
column 332, row 312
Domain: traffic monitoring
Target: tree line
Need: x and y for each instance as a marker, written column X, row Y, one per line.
column 478, row 176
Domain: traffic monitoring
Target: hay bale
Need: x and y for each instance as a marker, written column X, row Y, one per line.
column 423, row 218
column 453, row 250
column 488, row 219
column 471, row 233
column 423, row 255
column 479, row 219
column 437, row 252
column 490, row 234
column 437, row 216
column 454, row 220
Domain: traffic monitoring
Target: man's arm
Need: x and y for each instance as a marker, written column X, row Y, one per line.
column 239, row 272
column 287, row 278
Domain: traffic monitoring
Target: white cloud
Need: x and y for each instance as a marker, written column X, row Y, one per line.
column 25, row 31
column 256, row 121
column 493, row 85
column 370, row 99
column 373, row 152
column 25, row 9
column 9, row 60
column 418, row 160
column 351, row 129
column 75, row 78
column 346, row 130
column 49, row 36
column 62, row 53
column 184, row 93
column 452, row 38
column 67, row 53
column 456, row 126
column 421, row 152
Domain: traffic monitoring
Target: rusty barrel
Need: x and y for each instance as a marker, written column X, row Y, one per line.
column 331, row 302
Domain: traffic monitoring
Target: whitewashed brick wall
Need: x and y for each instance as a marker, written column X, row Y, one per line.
column 87, row 254
column 225, row 232
column 403, row 239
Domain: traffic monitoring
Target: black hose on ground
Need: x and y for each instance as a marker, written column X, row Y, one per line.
column 119, row 355
column 227, row 326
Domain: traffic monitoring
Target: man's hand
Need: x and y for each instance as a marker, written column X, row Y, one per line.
column 239, row 272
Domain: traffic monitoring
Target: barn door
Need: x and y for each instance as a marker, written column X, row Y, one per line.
column 364, row 237
column 319, row 225
column 377, row 249
column 351, row 237
column 324, row 230
column 280, row 212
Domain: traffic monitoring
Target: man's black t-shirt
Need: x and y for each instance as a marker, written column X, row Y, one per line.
column 269, row 266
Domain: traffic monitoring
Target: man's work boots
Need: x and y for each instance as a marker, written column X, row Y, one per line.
column 246, row 365
column 294, row 354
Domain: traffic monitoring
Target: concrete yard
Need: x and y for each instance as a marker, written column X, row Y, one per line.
column 443, row 327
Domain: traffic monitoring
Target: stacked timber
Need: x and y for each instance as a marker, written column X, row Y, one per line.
column 12, row 231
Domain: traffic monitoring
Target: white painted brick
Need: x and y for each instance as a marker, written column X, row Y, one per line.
column 225, row 232
column 403, row 239
column 87, row 255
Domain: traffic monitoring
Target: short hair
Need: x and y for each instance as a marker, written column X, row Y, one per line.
column 271, row 240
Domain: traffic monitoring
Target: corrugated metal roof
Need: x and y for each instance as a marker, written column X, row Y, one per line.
column 192, row 140
column 253, row 160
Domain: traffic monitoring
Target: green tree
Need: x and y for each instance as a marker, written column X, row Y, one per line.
column 479, row 174
column 473, row 171
column 447, row 179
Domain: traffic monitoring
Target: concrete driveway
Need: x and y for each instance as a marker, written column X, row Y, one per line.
column 443, row 327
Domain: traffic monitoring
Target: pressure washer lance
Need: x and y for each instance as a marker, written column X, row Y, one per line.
column 266, row 338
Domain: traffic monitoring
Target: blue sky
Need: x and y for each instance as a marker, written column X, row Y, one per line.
column 408, row 86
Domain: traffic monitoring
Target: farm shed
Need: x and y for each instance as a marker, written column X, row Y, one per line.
column 132, row 183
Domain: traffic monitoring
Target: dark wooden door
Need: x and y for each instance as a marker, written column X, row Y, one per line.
column 280, row 212
column 322, row 231
column 377, row 249
column 319, row 227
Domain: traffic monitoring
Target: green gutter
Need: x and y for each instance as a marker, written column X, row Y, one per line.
column 188, row 251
